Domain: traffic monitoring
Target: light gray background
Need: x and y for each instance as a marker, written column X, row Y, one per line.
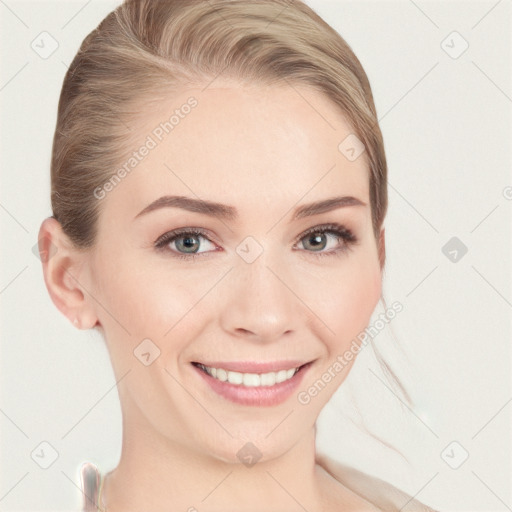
column 446, row 125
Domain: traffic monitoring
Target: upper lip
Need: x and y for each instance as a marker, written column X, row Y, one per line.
column 253, row 366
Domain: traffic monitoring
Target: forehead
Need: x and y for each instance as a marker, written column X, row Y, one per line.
column 242, row 145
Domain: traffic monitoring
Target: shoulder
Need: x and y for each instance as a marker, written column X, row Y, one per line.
column 376, row 491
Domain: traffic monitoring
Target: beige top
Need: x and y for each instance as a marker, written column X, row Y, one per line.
column 374, row 490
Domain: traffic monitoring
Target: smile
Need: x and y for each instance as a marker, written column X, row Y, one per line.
column 249, row 379
column 253, row 389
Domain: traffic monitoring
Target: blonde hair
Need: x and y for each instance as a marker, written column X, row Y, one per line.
column 145, row 49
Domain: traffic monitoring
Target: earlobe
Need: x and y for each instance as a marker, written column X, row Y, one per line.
column 62, row 264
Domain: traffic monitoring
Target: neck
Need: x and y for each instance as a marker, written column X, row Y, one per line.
column 159, row 474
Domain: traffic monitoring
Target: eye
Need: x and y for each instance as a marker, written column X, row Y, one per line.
column 316, row 238
column 187, row 241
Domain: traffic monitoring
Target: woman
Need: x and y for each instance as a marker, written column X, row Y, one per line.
column 221, row 306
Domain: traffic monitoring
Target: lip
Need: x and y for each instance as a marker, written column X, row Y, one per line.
column 254, row 367
column 262, row 396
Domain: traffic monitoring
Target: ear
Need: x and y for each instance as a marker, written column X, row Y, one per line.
column 382, row 248
column 63, row 266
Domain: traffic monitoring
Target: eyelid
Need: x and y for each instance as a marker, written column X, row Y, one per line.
column 330, row 226
column 345, row 234
column 175, row 233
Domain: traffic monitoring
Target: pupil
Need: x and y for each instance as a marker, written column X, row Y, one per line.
column 189, row 242
column 317, row 239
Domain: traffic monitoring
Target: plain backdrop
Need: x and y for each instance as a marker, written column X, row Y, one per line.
column 440, row 74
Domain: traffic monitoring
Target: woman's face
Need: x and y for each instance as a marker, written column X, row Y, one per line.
column 258, row 290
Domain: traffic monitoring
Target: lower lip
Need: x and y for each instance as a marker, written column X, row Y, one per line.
column 258, row 395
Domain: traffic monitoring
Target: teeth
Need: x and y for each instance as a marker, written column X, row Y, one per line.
column 268, row 379
column 219, row 373
column 250, row 379
column 235, row 377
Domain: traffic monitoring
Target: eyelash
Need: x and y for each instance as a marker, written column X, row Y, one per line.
column 338, row 230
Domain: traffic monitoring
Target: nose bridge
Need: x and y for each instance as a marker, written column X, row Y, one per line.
column 258, row 301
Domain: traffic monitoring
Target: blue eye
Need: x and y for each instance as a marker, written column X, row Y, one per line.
column 340, row 233
column 185, row 238
column 188, row 240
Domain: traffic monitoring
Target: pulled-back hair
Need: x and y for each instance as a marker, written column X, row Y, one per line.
column 145, row 49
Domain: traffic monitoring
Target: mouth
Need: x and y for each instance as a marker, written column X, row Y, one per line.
column 251, row 379
column 260, row 389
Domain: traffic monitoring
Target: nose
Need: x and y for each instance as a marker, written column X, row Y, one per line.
column 258, row 303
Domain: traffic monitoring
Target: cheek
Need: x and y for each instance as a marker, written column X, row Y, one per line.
column 350, row 301
column 140, row 301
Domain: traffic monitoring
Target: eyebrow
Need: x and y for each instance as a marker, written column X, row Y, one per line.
column 226, row 212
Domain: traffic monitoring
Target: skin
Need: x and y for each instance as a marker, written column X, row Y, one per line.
column 180, row 439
